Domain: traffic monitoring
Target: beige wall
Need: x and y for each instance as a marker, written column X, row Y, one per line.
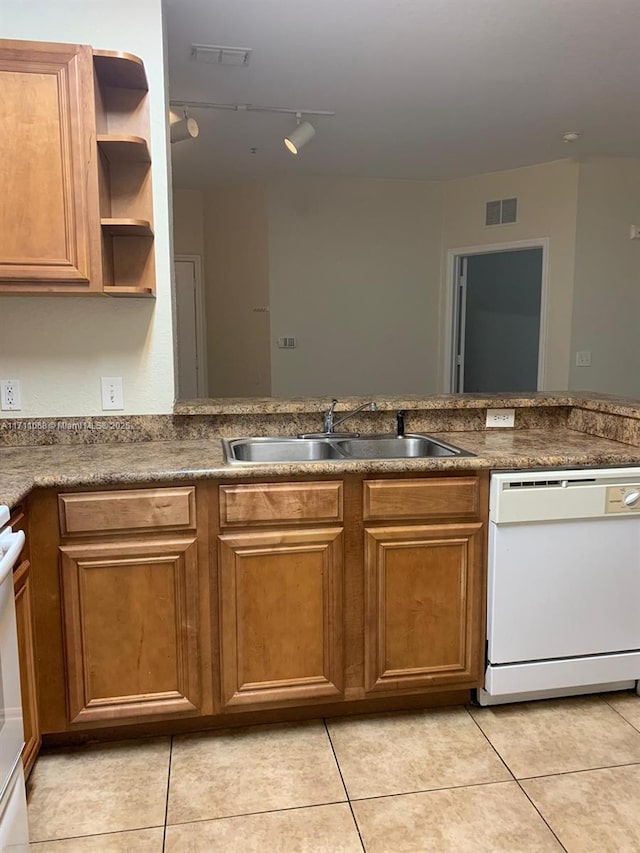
column 237, row 282
column 354, row 269
column 59, row 347
column 547, row 199
column 188, row 222
column 606, row 302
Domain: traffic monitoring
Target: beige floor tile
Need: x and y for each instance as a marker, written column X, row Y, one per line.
column 262, row 768
column 319, row 829
column 627, row 705
column 559, row 735
column 99, row 789
column 487, row 818
column 402, row 752
column 592, row 812
column 141, row 840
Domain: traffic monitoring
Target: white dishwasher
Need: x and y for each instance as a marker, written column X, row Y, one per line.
column 563, row 608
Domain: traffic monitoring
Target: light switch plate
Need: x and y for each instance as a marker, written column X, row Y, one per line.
column 112, row 393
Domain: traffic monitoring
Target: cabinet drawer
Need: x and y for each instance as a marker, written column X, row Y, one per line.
column 135, row 509
column 268, row 503
column 442, row 497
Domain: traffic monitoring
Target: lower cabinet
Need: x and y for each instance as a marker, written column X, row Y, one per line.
column 423, row 605
column 280, row 616
column 264, row 596
column 130, row 615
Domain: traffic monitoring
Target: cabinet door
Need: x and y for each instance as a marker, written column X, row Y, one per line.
column 281, row 616
column 130, row 628
column 49, row 225
column 424, row 605
column 26, row 653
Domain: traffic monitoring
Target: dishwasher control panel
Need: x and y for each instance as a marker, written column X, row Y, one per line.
column 623, row 499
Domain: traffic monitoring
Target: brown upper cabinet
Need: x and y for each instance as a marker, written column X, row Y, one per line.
column 75, row 172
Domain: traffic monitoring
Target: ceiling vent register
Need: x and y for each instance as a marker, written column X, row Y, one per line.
column 501, row 212
column 219, row 54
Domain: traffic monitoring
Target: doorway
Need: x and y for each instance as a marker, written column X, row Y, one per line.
column 191, row 351
column 498, row 315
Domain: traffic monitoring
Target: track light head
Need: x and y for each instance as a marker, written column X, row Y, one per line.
column 185, row 128
column 298, row 138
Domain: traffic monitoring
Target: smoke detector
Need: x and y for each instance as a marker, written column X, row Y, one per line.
column 218, row 54
column 571, row 136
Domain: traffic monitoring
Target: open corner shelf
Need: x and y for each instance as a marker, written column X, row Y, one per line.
column 119, row 148
column 130, row 291
column 124, row 227
column 123, row 70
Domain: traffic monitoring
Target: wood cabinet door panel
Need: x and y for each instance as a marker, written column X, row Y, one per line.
column 130, row 620
column 421, row 498
column 281, row 616
column 423, row 605
column 49, row 230
column 27, row 656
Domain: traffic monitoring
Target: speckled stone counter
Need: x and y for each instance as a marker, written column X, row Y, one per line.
column 69, row 466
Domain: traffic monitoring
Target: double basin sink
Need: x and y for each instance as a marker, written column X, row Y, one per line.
column 335, row 447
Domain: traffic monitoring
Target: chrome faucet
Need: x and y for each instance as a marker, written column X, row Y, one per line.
column 328, row 417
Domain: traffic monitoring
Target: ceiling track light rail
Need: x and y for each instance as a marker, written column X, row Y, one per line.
column 250, row 108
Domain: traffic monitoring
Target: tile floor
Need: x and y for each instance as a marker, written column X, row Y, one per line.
column 543, row 776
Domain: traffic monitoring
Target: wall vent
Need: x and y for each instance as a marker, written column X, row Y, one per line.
column 501, row 211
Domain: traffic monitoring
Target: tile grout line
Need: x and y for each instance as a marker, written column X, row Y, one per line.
column 580, row 770
column 621, row 715
column 166, row 805
column 335, row 758
column 261, row 812
column 542, row 817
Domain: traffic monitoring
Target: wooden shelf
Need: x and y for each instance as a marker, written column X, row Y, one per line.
column 123, row 70
column 129, row 291
column 127, row 227
column 122, row 147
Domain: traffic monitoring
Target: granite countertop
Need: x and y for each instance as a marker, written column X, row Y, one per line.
column 69, row 466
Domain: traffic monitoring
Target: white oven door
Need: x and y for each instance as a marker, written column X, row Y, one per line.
column 11, row 731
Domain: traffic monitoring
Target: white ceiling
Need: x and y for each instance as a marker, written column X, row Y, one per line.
column 422, row 89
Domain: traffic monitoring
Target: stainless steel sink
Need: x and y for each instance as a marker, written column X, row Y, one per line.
column 318, row 449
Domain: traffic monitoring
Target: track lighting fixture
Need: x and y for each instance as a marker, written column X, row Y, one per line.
column 298, row 138
column 184, row 128
column 303, row 132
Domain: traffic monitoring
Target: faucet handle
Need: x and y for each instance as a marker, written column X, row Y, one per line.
column 328, row 416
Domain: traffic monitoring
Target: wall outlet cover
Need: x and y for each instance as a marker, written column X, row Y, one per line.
column 500, row 418
column 10, row 395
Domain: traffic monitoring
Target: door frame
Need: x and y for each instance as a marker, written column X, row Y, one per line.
column 453, row 256
column 201, row 321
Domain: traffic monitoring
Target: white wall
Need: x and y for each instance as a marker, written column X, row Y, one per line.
column 236, row 283
column 606, row 304
column 58, row 347
column 547, row 199
column 354, row 268
column 188, row 222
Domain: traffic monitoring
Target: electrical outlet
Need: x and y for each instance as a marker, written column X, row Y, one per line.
column 583, row 358
column 501, row 417
column 10, row 395
column 112, row 393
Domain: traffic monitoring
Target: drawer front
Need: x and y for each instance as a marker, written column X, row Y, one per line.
column 439, row 497
column 134, row 509
column 269, row 503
